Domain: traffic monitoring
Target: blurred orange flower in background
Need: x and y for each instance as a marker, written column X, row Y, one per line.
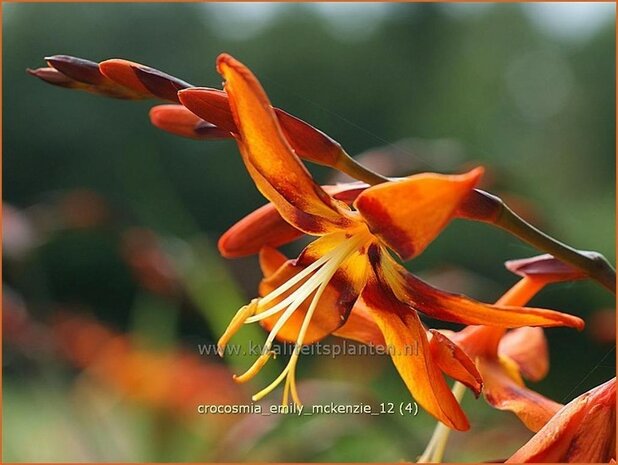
column 172, row 380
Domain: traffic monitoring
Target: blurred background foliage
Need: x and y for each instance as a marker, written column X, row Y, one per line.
column 111, row 276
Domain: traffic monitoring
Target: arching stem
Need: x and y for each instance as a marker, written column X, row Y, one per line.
column 488, row 208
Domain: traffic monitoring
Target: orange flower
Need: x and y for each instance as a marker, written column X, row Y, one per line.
column 582, row 431
column 172, row 380
column 308, row 298
column 503, row 357
column 149, row 263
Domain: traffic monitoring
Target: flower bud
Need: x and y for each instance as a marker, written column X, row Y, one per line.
column 179, row 121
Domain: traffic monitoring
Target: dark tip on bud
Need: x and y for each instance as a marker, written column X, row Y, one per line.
column 211, row 105
column 81, row 70
column 51, row 76
column 159, row 83
column 210, row 131
column 544, row 266
column 308, row 142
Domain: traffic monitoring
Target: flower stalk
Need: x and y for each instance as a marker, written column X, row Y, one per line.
column 348, row 165
column 488, row 208
column 485, row 207
column 434, row 452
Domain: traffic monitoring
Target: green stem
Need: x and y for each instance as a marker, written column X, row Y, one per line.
column 485, row 207
column 351, row 167
column 593, row 263
column 482, row 206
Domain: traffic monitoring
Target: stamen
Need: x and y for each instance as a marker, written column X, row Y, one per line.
column 294, row 280
column 326, row 274
column 271, row 386
column 291, row 368
column 434, row 452
column 311, row 283
column 254, row 369
column 241, row 315
column 292, row 378
column 286, row 391
column 321, row 278
column 307, row 288
column 282, row 321
column 323, row 270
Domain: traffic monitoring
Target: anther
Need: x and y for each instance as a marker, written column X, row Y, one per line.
column 254, row 369
column 241, row 315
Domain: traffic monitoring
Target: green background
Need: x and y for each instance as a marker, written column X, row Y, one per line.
column 425, row 87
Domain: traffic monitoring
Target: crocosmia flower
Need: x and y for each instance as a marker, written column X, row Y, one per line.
column 310, row 297
column 505, row 358
column 348, row 282
column 583, row 431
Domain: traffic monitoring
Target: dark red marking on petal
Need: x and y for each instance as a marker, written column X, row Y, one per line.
column 77, row 68
column 480, row 206
column 381, row 224
column 161, row 84
column 210, row 131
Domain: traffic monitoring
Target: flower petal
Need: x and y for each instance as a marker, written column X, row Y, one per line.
column 461, row 309
column 307, row 222
column 271, row 260
column 454, row 362
column 262, row 227
column 458, row 308
column 408, row 214
column 122, row 72
column 402, row 331
column 308, row 142
column 266, row 227
column 360, row 327
column 595, row 440
column 477, row 341
column 335, row 304
column 143, row 80
column 583, row 431
column 503, row 392
column 282, row 177
column 179, row 121
column 528, row 348
column 551, row 443
column 212, row 105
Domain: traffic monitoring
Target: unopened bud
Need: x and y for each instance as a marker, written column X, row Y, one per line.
column 179, row 121
column 544, row 267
